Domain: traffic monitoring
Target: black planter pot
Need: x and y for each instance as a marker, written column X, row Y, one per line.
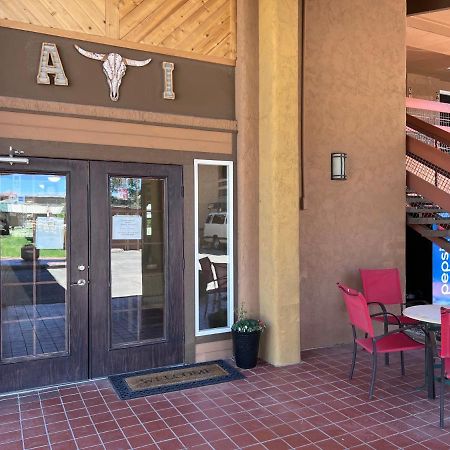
column 28, row 252
column 245, row 348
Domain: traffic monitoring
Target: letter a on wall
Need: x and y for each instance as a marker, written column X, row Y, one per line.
column 50, row 63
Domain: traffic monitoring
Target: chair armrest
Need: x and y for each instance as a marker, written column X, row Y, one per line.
column 385, row 314
column 381, row 305
column 398, row 330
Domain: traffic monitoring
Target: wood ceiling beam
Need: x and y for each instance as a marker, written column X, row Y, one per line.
column 420, row 6
column 429, row 26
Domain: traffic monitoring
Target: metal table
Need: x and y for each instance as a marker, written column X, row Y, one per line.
column 430, row 318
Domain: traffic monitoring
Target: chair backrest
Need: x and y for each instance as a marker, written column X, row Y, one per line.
column 382, row 285
column 357, row 309
column 445, row 339
column 205, row 264
column 221, row 270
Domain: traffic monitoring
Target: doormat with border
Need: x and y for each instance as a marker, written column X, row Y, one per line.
column 174, row 378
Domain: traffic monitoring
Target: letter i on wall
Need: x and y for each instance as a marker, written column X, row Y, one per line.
column 168, row 93
column 55, row 67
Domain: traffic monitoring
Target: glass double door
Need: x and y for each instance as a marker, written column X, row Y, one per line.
column 90, row 270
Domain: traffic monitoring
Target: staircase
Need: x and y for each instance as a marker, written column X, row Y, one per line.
column 428, row 170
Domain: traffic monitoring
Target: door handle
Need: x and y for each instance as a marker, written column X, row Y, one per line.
column 80, row 282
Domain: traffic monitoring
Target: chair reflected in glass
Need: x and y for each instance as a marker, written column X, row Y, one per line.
column 213, row 286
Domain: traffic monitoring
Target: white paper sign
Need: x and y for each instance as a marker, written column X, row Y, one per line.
column 49, row 233
column 126, row 227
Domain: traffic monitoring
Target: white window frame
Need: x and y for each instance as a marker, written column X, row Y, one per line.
column 230, row 244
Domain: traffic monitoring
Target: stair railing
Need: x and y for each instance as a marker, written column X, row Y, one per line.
column 428, row 169
column 428, row 148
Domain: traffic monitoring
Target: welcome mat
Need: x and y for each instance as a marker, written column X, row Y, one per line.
column 169, row 379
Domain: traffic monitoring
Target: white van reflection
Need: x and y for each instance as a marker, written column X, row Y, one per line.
column 215, row 230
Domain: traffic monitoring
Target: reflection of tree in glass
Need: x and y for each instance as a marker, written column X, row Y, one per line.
column 125, row 191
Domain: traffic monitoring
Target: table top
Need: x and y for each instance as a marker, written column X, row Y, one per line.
column 424, row 313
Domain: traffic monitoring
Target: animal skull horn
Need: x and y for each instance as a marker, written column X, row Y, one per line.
column 92, row 55
column 135, row 63
column 114, row 68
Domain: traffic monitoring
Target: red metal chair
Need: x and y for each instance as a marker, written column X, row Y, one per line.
column 382, row 287
column 445, row 359
column 392, row 342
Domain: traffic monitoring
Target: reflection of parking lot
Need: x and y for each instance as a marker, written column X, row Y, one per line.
column 126, row 272
column 211, row 251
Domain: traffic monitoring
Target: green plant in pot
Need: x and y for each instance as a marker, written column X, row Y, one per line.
column 246, row 334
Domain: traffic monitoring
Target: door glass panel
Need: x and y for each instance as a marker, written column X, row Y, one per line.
column 33, row 265
column 137, row 246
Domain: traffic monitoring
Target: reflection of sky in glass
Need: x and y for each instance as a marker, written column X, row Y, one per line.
column 33, row 185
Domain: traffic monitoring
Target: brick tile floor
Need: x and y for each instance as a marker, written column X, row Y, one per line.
column 311, row 405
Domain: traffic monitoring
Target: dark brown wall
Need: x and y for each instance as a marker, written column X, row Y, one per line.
column 202, row 89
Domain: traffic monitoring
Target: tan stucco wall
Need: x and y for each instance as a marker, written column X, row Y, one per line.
column 425, row 87
column 247, row 155
column 279, row 180
column 353, row 103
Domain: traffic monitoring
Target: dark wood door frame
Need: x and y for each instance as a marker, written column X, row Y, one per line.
column 105, row 360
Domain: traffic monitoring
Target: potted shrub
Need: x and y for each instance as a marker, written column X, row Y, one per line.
column 246, row 333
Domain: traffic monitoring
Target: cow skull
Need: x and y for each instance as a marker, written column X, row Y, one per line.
column 114, row 67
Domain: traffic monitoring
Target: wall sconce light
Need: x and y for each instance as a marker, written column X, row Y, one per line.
column 338, row 169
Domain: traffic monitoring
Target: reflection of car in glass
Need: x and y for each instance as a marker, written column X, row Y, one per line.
column 215, row 229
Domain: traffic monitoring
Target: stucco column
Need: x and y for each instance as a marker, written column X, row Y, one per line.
column 279, row 180
column 247, row 154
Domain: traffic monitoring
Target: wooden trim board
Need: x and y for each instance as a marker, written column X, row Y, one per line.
column 41, row 127
column 104, row 112
column 210, row 351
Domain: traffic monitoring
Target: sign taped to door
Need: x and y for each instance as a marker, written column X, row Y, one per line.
column 126, row 227
column 49, row 233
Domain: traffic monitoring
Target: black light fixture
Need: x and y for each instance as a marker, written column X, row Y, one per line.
column 338, row 169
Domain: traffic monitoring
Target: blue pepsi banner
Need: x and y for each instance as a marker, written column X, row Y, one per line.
column 441, row 276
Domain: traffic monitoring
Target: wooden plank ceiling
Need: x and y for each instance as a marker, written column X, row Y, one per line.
column 201, row 27
column 428, row 44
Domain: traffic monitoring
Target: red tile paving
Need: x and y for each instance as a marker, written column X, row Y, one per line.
column 311, row 405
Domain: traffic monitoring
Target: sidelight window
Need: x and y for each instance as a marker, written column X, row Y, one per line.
column 213, row 246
